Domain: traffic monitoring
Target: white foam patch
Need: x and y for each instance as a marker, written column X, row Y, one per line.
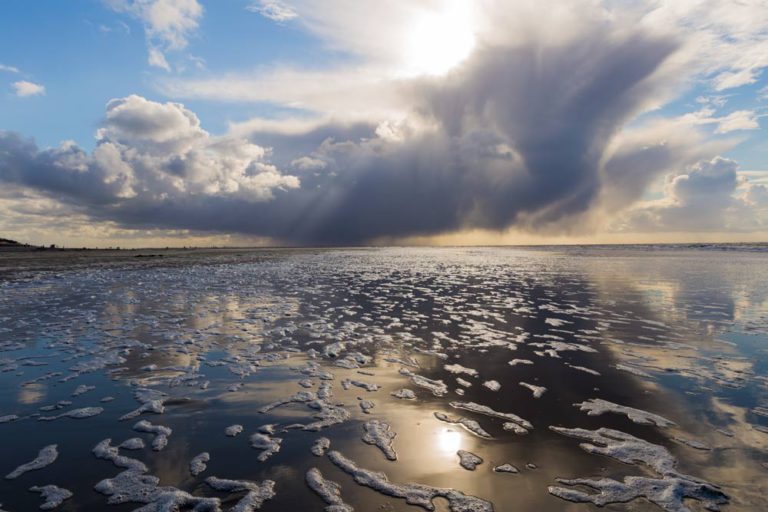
column 414, row 494
column 82, row 389
column 269, row 445
column 320, row 446
column 151, row 400
column 633, row 370
column 511, row 418
column 134, row 443
column 623, row 447
column 404, row 394
column 368, row 386
column 437, row 387
column 462, row 382
column 133, row 486
column 366, row 406
column 584, row 369
column 75, row 414
column 469, row 460
column 300, row 397
column 256, row 493
column 233, row 430
column 598, row 406
column 329, row 491
column 52, row 494
column 536, row 390
column 327, row 416
column 326, row 391
column 669, row 491
column 516, row 362
column 199, row 463
column 458, row 369
column 556, row 322
column 45, row 457
column 471, row 425
column 105, row 451
column 161, row 433
column 379, row 434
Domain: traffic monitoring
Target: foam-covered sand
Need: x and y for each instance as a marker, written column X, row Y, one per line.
column 380, row 435
column 320, row 446
column 329, row 491
column 255, row 493
column 597, row 406
column 469, row 460
column 160, row 432
column 45, row 457
column 513, row 420
column 669, row 490
column 396, row 358
column 414, row 494
column 199, row 463
column 52, row 494
column 471, row 425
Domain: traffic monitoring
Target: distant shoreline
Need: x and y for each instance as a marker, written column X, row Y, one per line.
column 20, row 248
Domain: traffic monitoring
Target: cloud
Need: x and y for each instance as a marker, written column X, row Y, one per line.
column 351, row 94
column 168, row 24
column 721, row 41
column 272, row 9
column 502, row 141
column 709, row 196
column 8, row 69
column 733, row 121
column 757, row 196
column 538, row 129
column 24, row 89
column 738, row 120
column 157, row 59
column 306, row 163
column 151, row 127
column 725, row 39
column 148, row 153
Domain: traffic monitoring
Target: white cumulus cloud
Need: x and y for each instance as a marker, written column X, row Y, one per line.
column 273, row 9
column 8, row 69
column 168, row 24
column 708, row 196
column 24, row 88
column 148, row 153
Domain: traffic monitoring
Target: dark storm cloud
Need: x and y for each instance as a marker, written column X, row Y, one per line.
column 517, row 136
column 66, row 173
column 520, row 136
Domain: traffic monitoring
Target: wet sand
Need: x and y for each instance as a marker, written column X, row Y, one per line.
column 198, row 341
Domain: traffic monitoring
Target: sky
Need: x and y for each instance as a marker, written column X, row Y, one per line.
column 139, row 123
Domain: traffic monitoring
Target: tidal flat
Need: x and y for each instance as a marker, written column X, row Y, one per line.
column 393, row 379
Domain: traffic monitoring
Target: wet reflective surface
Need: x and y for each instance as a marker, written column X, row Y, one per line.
column 201, row 341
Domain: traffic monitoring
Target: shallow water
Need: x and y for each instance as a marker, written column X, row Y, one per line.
column 678, row 333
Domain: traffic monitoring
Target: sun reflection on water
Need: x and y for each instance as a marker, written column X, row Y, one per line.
column 449, row 441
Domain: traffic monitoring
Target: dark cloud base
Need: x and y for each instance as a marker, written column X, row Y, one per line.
column 516, row 136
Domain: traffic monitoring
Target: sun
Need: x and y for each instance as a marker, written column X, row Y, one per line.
column 439, row 40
